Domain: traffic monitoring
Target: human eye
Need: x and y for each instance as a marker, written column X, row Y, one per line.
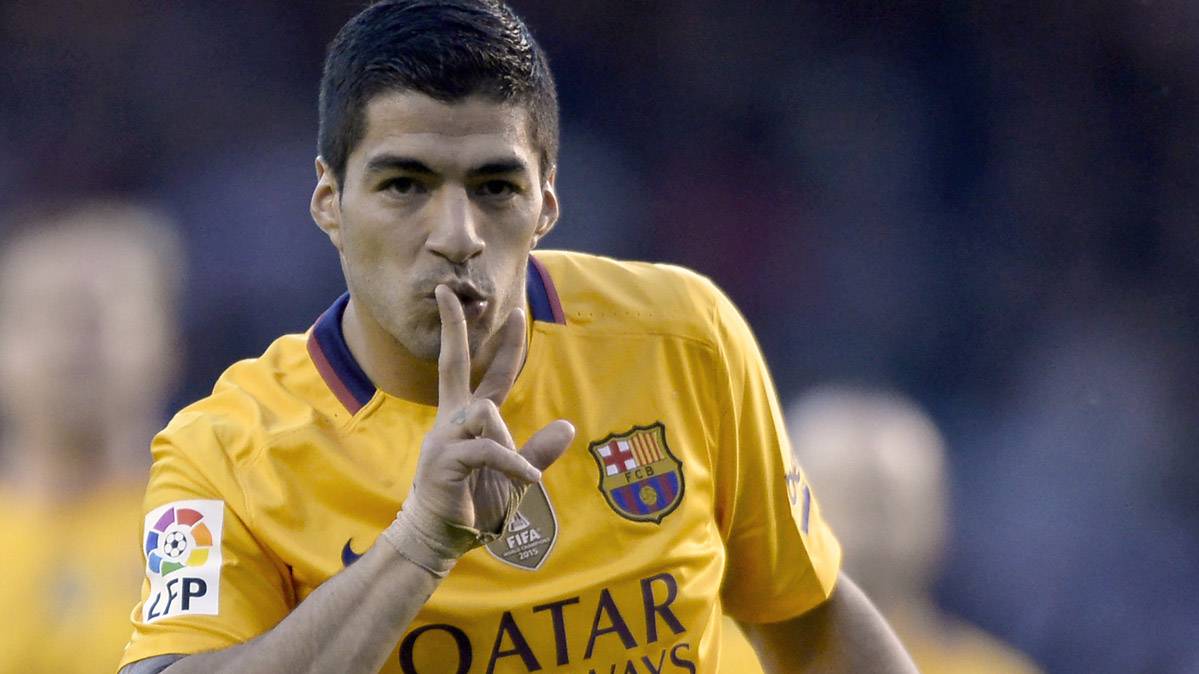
column 404, row 185
column 497, row 189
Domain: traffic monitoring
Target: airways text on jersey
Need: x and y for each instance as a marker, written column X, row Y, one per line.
column 639, row 634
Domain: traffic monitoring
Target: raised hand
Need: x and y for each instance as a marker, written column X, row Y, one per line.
column 470, row 476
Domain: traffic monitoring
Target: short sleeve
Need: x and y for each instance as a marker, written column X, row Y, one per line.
column 782, row 557
column 209, row 584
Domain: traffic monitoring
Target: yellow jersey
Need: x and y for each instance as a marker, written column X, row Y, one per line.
column 70, row 573
column 679, row 499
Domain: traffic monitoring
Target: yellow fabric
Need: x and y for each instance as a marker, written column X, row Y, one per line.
column 70, row 574
column 737, row 656
column 642, row 345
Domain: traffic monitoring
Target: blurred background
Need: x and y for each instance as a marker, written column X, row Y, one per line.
column 989, row 208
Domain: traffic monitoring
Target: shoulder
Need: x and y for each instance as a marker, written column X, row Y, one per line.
column 252, row 401
column 605, row 294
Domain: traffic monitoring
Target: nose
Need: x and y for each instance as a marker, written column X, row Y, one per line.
column 455, row 234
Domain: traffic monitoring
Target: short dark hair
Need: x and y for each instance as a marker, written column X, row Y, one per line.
column 446, row 49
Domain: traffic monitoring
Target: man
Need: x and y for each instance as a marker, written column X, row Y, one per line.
column 880, row 462
column 272, row 539
column 87, row 354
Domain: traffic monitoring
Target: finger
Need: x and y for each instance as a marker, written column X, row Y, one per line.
column 471, row 455
column 483, row 420
column 505, row 364
column 547, row 444
column 453, row 363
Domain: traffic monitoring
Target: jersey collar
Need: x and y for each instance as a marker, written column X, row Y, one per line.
column 344, row 376
column 544, row 304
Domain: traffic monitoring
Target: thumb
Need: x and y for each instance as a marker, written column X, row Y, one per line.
column 547, row 444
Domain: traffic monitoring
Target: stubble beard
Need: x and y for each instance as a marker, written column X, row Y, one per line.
column 415, row 325
column 418, row 331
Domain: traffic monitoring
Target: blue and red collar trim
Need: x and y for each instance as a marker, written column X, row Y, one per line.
column 331, row 355
column 543, row 296
column 344, row 376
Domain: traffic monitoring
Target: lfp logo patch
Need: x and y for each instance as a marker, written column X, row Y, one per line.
column 639, row 476
column 183, row 559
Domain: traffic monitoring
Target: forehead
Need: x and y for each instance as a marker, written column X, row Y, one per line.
column 444, row 135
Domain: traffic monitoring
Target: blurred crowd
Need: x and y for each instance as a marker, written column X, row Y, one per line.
column 989, row 207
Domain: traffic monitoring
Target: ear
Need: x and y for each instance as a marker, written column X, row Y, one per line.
column 549, row 206
column 325, row 206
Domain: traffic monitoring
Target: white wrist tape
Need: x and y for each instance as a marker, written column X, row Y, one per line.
column 434, row 544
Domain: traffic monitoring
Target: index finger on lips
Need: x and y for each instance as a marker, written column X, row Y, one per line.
column 453, row 363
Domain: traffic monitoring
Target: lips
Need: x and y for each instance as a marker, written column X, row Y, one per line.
column 465, row 291
column 474, row 302
column 473, row 310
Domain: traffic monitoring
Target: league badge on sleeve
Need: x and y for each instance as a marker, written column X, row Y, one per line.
column 183, row 559
column 639, row 476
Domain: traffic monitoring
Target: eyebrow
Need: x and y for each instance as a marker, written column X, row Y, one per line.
column 501, row 166
column 391, row 162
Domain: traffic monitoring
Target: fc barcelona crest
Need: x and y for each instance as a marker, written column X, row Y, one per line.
column 639, row 476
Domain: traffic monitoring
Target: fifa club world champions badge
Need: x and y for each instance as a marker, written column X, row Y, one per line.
column 529, row 537
column 639, row 476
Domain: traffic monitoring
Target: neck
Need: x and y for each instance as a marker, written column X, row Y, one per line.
column 388, row 363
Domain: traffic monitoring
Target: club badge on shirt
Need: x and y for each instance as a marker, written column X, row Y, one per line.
column 639, row 476
column 183, row 559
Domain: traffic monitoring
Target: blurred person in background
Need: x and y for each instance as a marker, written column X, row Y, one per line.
column 878, row 462
column 87, row 355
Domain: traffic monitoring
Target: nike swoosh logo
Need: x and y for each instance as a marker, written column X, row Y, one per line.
column 348, row 556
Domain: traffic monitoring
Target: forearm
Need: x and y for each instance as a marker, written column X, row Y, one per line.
column 349, row 624
column 845, row 634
